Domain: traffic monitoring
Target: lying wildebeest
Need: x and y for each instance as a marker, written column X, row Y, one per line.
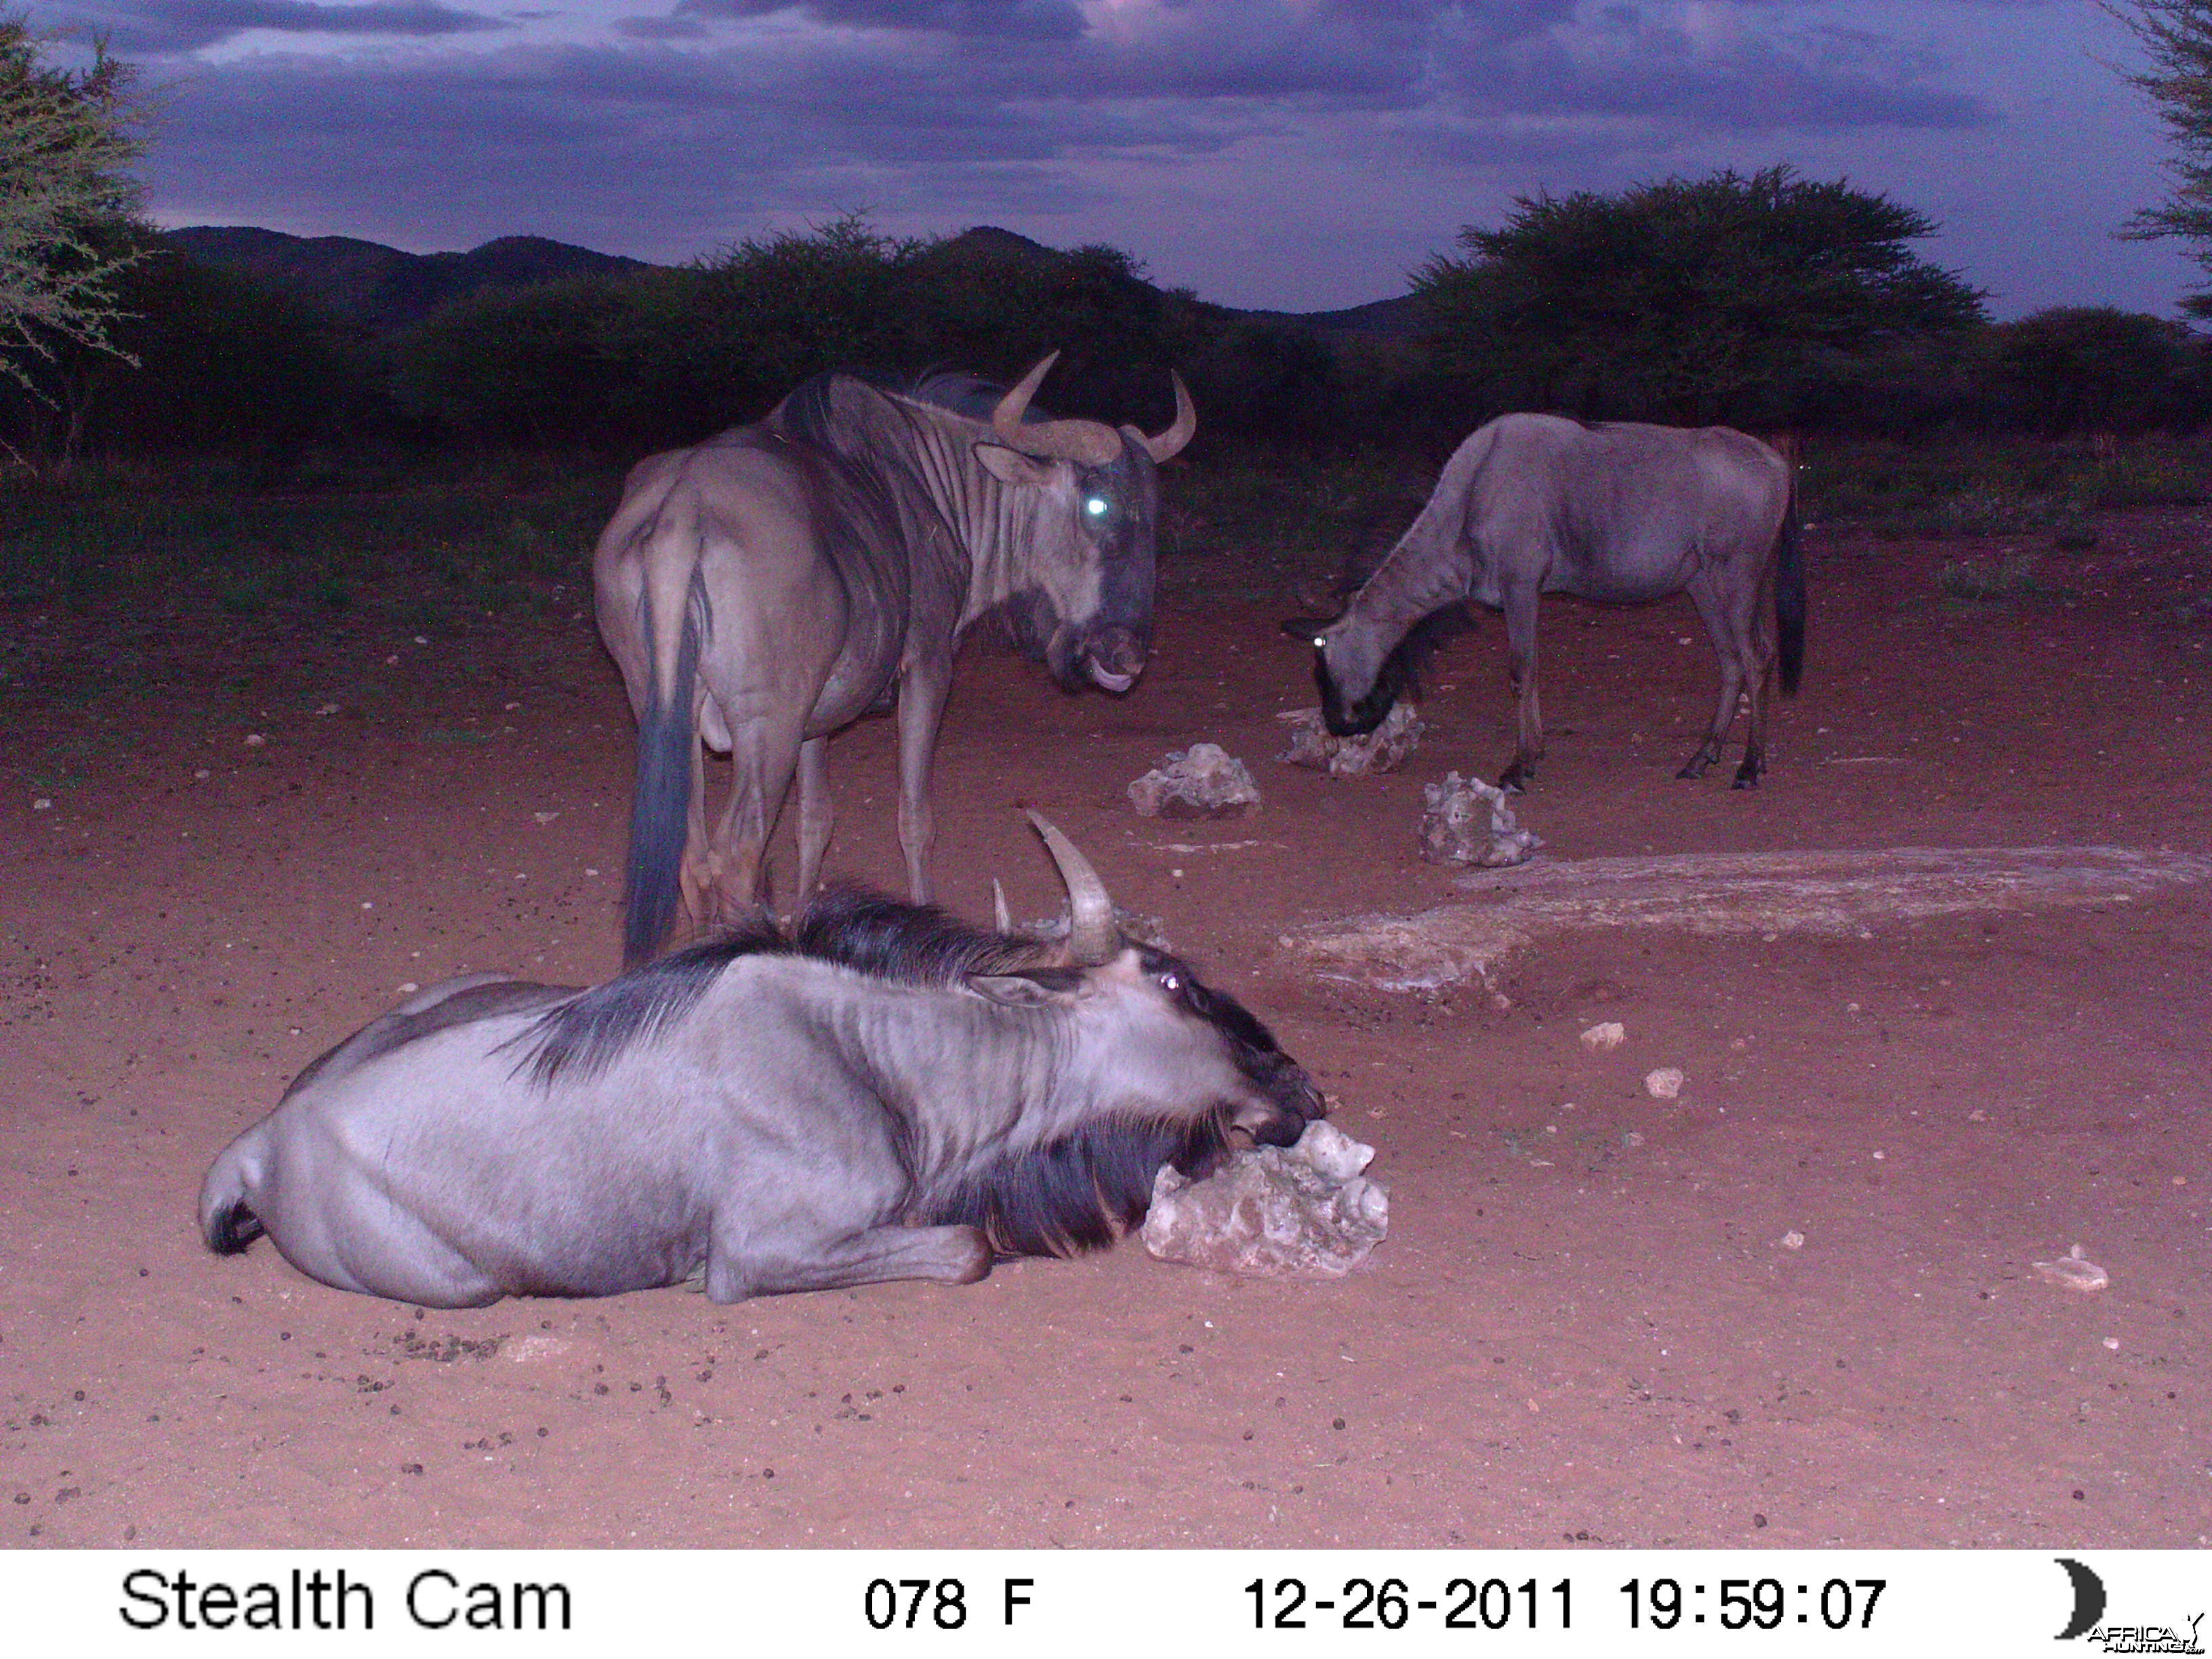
column 771, row 586
column 1619, row 512
column 885, row 1094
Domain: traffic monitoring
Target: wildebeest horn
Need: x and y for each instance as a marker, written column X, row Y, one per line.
column 1001, row 917
column 1162, row 445
column 1092, row 935
column 1060, row 441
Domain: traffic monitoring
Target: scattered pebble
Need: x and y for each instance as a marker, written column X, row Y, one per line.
column 1300, row 1211
column 545, row 817
column 408, row 987
column 1471, row 823
column 1664, row 1083
column 327, row 709
column 1793, row 1240
column 1383, row 750
column 2073, row 1271
column 2113, row 1343
column 1202, row 781
column 254, row 740
column 43, row 804
column 1605, row 1036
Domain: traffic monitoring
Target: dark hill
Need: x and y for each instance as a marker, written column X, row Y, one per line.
column 382, row 288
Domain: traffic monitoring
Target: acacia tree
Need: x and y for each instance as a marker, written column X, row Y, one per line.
column 2178, row 36
column 67, row 208
column 1749, row 299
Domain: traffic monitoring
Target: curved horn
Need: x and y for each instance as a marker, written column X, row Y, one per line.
column 1161, row 446
column 1001, row 915
column 1092, row 935
column 1085, row 441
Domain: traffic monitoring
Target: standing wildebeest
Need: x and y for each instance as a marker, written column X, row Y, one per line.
column 1620, row 513
column 767, row 588
column 887, row 1094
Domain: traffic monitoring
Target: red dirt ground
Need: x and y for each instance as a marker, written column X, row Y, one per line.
column 1569, row 1336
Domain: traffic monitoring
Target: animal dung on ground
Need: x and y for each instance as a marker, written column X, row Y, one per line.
column 1302, row 1212
column 1605, row 1036
column 2071, row 1270
column 1202, row 781
column 1664, row 1083
column 1383, row 750
column 1469, row 822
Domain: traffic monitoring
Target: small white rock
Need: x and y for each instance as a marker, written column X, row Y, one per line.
column 254, row 740
column 1793, row 1240
column 2074, row 1272
column 1605, row 1036
column 43, row 804
column 327, row 709
column 1664, row 1083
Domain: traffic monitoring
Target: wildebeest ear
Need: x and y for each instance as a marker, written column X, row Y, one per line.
column 1043, row 987
column 1309, row 629
column 1010, row 466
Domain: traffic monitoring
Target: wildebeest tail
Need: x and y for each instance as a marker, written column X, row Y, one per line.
column 1789, row 593
column 226, row 1219
column 660, row 809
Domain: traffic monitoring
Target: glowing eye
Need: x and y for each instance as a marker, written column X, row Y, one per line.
column 1320, row 643
column 1170, row 982
column 1094, row 506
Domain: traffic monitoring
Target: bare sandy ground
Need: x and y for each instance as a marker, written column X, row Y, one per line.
column 1587, row 1324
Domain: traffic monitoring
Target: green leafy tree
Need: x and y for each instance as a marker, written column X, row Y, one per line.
column 1752, row 299
column 2092, row 369
column 67, row 206
column 2176, row 35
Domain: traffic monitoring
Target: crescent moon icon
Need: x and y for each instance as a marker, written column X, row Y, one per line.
column 2089, row 1599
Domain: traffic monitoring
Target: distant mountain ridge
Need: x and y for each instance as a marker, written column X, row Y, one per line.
column 385, row 288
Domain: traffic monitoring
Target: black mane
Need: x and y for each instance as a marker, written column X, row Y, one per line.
column 589, row 1032
column 887, row 939
column 1083, row 1191
column 853, row 926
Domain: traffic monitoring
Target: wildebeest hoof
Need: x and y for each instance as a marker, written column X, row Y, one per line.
column 1745, row 781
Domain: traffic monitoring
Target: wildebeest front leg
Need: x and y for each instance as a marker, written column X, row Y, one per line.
column 950, row 1256
column 816, row 817
column 1521, row 674
column 923, row 691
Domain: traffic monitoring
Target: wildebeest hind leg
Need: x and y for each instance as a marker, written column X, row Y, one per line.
column 1521, row 674
column 760, row 779
column 1723, row 629
column 950, row 1256
column 816, row 817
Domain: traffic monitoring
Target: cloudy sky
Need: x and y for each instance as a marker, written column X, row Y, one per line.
column 1289, row 154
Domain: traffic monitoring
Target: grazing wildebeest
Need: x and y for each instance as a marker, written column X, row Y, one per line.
column 883, row 1094
column 1619, row 512
column 770, row 586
